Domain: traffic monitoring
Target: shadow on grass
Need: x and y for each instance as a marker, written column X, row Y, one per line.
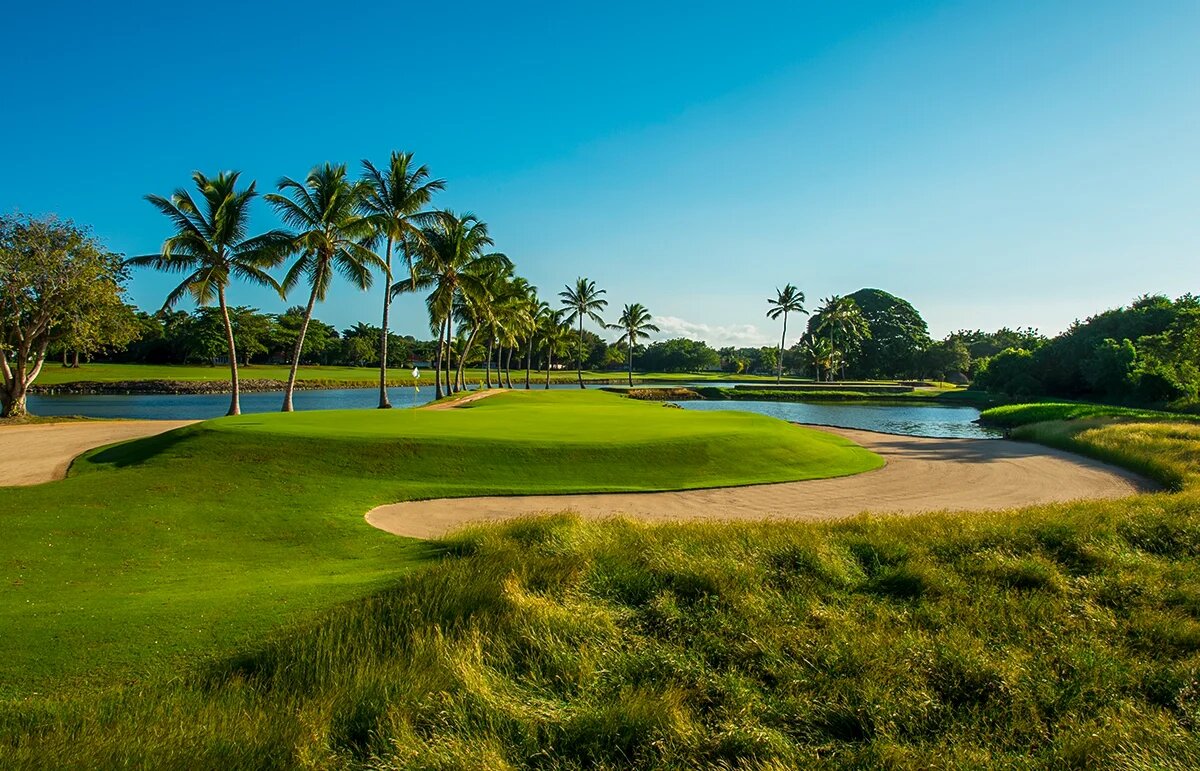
column 133, row 452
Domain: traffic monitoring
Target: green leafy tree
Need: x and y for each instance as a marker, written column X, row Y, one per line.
column 332, row 236
column 211, row 248
column 56, row 280
column 635, row 323
column 395, row 200
column 787, row 300
column 897, row 336
column 583, row 301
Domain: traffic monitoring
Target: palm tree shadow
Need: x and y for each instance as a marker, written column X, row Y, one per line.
column 136, row 451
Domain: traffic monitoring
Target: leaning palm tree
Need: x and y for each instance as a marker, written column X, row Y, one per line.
column 580, row 301
column 394, row 201
column 635, row 325
column 787, row 300
column 453, row 262
column 332, row 235
column 211, row 247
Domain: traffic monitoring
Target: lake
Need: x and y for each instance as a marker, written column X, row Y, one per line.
column 916, row 420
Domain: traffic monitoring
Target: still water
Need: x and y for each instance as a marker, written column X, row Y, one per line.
column 916, row 420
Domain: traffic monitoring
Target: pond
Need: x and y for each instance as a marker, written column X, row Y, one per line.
column 204, row 406
column 915, row 420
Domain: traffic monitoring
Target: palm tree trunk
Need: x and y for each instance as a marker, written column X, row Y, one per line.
column 528, row 361
column 508, row 369
column 579, row 357
column 291, row 383
column 487, row 366
column 437, row 366
column 462, row 360
column 549, row 366
column 384, row 404
column 782, row 340
column 631, row 364
column 235, row 407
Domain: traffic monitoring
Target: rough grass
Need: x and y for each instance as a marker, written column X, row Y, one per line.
column 1013, row 415
column 1068, row 637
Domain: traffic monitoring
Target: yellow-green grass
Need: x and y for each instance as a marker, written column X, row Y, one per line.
column 1013, row 415
column 200, row 539
column 1063, row 636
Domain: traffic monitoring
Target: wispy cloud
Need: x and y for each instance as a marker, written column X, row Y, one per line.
column 737, row 335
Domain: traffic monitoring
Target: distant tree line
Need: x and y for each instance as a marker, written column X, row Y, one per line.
column 1144, row 353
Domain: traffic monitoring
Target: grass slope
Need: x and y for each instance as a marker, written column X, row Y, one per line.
column 203, row 538
column 1013, row 415
column 1065, row 637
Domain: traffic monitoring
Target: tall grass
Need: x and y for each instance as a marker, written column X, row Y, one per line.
column 1067, row 637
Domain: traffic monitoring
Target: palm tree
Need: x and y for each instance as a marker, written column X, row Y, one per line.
column 787, row 300
column 394, row 201
column 583, row 300
column 332, row 236
column 816, row 352
column 452, row 262
column 211, row 247
column 841, row 317
column 635, row 324
column 536, row 312
column 554, row 335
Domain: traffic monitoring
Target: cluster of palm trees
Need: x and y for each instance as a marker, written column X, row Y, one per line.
column 355, row 228
column 837, row 327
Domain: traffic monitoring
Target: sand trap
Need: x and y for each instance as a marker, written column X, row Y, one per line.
column 921, row 475
column 43, row 452
column 474, row 397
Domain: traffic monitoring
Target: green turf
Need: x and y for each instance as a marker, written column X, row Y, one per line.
column 1062, row 636
column 199, row 540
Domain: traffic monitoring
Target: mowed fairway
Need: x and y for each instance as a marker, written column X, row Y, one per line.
column 200, row 540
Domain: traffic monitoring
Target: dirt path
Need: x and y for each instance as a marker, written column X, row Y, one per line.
column 43, row 452
column 921, row 475
column 472, row 397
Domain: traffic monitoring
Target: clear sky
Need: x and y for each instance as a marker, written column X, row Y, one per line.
column 996, row 163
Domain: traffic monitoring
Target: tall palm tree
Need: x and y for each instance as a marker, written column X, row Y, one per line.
column 635, row 325
column 210, row 245
column 453, row 264
column 554, row 334
column 786, row 300
column 535, row 313
column 332, row 235
column 394, row 200
column 580, row 301
column 841, row 318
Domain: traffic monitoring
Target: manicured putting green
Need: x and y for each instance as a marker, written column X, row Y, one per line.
column 198, row 540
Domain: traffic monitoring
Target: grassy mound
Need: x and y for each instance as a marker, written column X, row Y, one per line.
column 204, row 538
column 1013, row 415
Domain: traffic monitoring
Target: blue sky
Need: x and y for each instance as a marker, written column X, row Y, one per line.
column 995, row 163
